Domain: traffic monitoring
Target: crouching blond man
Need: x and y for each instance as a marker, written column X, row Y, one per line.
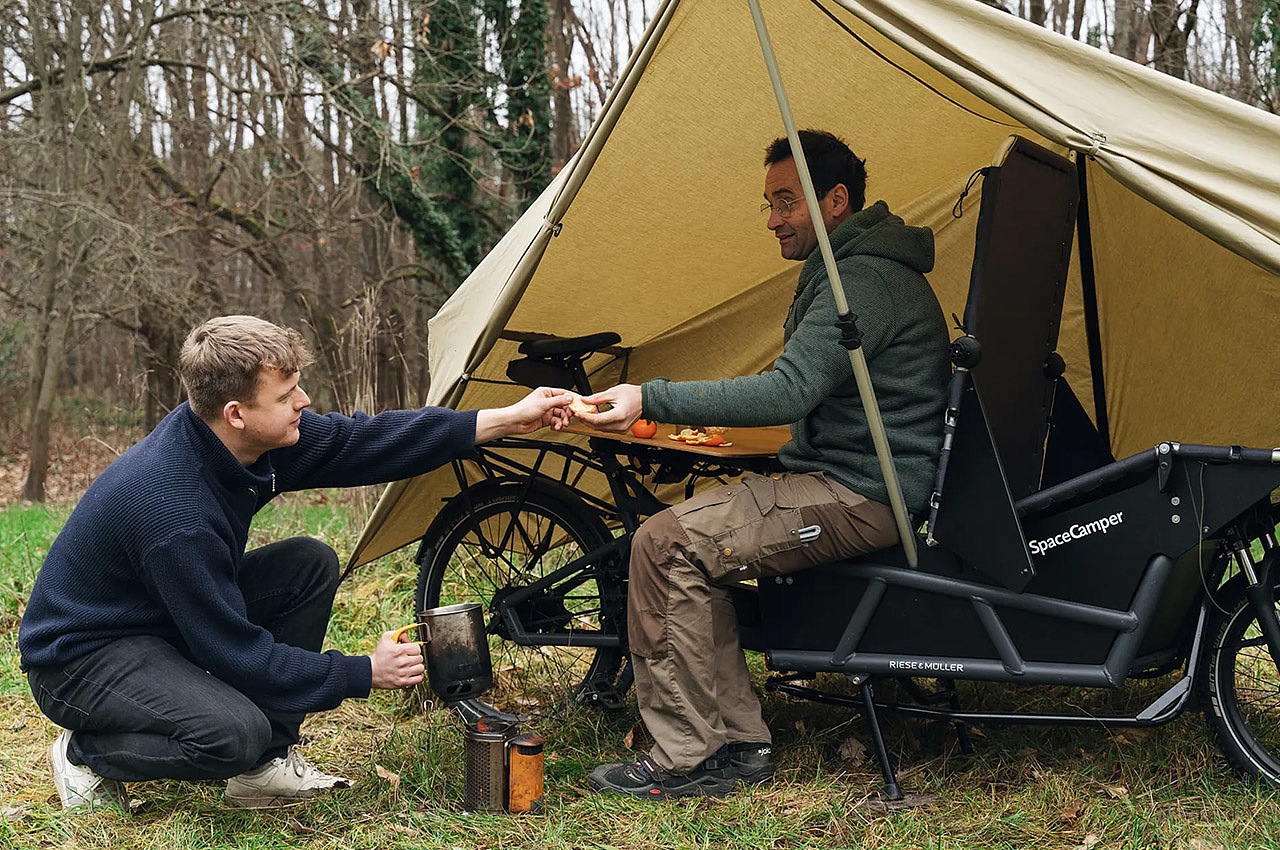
column 161, row 646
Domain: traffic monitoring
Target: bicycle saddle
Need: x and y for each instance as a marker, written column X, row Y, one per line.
column 568, row 346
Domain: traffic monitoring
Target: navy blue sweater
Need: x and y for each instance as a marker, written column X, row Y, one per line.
column 155, row 545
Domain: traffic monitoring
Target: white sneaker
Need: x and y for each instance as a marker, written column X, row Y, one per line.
column 281, row 782
column 79, row 787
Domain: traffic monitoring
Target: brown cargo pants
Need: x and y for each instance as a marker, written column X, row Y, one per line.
column 691, row 678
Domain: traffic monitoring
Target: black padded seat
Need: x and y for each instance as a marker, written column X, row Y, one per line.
column 572, row 346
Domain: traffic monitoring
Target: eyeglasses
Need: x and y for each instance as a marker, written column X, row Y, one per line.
column 782, row 207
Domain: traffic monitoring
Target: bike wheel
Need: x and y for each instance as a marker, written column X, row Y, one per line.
column 1243, row 704
column 508, row 539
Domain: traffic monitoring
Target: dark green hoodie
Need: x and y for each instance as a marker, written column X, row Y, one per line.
column 811, row 387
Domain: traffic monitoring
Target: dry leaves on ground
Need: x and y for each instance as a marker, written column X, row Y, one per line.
column 637, row 737
column 393, row 778
column 851, row 749
column 1116, row 792
column 1071, row 813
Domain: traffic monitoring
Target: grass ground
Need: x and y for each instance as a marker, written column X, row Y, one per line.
column 1051, row 788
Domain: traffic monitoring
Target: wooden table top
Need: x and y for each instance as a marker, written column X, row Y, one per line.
column 747, row 442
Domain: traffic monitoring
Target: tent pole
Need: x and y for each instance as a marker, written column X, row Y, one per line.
column 1089, row 287
column 856, row 356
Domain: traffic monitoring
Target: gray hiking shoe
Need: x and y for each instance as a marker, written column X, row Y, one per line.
column 281, row 782
column 79, row 787
column 644, row 778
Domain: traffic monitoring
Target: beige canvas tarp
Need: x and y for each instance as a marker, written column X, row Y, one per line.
column 660, row 239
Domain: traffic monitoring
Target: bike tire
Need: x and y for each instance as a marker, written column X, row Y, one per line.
column 463, row 558
column 1240, row 690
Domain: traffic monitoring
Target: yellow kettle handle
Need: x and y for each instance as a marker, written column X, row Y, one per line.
column 399, row 633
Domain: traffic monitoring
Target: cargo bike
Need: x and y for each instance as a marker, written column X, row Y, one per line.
column 1041, row 561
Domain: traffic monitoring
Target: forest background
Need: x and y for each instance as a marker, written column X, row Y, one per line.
column 335, row 165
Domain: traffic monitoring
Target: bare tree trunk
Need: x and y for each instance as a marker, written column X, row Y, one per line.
column 1129, row 17
column 403, row 34
column 1171, row 35
column 165, row 312
column 631, row 43
column 1240, row 17
column 1061, row 8
column 60, row 104
column 389, row 377
column 162, row 334
column 42, row 412
column 563, row 135
column 1077, row 18
column 43, row 357
column 362, row 388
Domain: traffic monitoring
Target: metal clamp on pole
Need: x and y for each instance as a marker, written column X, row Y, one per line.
column 850, row 336
column 857, row 359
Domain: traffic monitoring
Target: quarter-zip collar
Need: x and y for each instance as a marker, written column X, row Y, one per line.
column 260, row 477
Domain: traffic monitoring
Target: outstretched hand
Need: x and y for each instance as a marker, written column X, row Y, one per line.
column 542, row 408
column 625, row 402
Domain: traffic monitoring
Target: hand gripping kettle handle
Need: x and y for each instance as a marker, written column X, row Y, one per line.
column 425, row 631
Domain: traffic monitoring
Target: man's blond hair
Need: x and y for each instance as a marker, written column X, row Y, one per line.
column 222, row 359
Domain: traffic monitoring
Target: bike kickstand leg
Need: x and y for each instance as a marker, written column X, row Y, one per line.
column 962, row 728
column 892, row 790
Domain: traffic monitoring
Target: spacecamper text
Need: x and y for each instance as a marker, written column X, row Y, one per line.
column 1077, row 531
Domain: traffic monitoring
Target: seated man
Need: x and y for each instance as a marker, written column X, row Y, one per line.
column 159, row 644
column 691, row 679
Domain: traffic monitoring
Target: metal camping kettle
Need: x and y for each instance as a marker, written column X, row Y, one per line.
column 456, row 648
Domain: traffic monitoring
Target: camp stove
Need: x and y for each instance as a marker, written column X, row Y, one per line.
column 504, row 769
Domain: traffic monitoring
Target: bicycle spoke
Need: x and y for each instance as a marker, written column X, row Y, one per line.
column 500, row 557
column 484, row 537
column 477, row 563
column 536, row 550
column 1261, row 699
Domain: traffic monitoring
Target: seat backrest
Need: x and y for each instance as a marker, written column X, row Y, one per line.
column 1016, row 289
column 999, row 410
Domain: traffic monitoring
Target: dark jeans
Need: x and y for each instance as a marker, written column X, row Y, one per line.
column 140, row 709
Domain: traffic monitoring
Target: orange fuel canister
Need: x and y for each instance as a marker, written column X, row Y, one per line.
column 524, row 774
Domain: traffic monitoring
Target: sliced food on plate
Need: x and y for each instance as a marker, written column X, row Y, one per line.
column 713, row 436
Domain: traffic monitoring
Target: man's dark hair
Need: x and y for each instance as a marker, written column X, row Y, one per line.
column 830, row 162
